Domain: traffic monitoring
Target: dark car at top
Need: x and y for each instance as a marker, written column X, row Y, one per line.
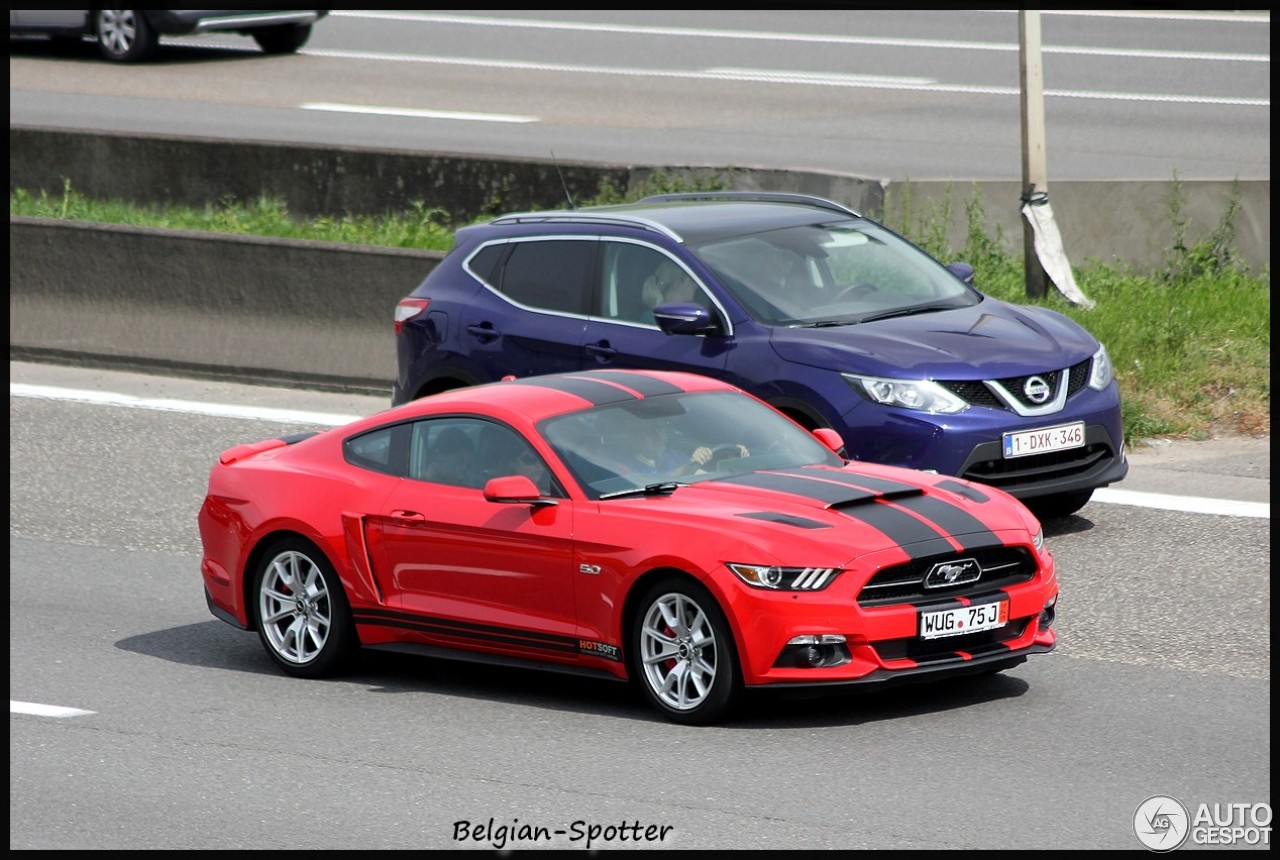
column 827, row 315
column 133, row 35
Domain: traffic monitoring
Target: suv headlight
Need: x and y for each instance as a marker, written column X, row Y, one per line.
column 785, row 578
column 919, row 394
column 1102, row 371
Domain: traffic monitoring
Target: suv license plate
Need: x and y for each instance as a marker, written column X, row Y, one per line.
column 965, row 619
column 1045, row 440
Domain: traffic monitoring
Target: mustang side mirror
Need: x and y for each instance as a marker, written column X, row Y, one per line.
column 831, row 439
column 519, row 489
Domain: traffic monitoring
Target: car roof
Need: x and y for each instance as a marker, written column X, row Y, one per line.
column 538, row 397
column 700, row 216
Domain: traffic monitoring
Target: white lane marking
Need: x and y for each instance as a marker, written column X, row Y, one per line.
column 417, row 114
column 766, row 76
column 764, row 35
column 219, row 410
column 1188, row 504
column 38, row 710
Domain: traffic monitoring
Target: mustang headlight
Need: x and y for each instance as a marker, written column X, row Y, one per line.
column 919, row 394
column 785, row 578
column 1102, row 372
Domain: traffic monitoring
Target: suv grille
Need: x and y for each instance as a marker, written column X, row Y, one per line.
column 904, row 583
column 977, row 392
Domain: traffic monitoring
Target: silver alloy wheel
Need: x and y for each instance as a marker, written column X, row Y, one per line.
column 117, row 30
column 294, row 607
column 679, row 651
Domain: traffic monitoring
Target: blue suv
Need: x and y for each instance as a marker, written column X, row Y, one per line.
column 831, row 317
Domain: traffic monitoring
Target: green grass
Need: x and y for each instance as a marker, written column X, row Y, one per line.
column 1191, row 343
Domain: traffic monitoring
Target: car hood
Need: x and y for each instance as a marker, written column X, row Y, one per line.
column 828, row 515
column 991, row 339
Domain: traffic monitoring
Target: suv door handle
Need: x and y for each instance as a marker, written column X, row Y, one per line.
column 601, row 349
column 485, row 332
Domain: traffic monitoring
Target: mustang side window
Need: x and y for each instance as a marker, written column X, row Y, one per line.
column 381, row 450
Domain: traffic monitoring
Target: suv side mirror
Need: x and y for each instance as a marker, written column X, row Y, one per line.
column 685, row 318
column 963, row 271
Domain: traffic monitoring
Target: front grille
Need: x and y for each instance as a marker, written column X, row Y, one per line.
column 1034, row 468
column 938, row 650
column 977, row 393
column 1002, row 566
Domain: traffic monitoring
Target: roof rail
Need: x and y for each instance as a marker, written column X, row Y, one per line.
column 581, row 216
column 757, row 196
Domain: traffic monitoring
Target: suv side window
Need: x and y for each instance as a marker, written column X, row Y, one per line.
column 628, row 273
column 553, row 274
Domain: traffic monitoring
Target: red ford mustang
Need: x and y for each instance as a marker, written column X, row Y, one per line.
column 658, row 527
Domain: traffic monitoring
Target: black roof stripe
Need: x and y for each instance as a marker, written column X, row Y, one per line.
column 646, row 385
column 597, row 393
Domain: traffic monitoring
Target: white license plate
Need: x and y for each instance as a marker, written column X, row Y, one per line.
column 965, row 619
column 1042, row 441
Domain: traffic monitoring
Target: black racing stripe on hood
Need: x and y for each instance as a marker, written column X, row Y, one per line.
column 595, row 392
column 827, row 492
column 786, row 520
column 646, row 385
column 967, row 490
column 915, row 538
column 880, row 485
column 969, row 531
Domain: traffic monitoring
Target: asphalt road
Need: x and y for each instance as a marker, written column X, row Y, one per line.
column 191, row 740
column 890, row 94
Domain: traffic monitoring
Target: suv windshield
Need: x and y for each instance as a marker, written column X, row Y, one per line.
column 837, row 273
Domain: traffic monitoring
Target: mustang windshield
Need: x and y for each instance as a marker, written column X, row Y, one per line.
column 831, row 274
column 677, row 439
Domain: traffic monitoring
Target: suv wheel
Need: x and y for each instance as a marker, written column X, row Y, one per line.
column 284, row 39
column 124, row 36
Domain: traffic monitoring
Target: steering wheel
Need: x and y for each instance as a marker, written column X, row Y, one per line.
column 856, row 289
column 721, row 453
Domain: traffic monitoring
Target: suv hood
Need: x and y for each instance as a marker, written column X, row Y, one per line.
column 988, row 340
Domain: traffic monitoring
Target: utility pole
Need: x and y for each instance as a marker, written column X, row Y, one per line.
column 1035, row 177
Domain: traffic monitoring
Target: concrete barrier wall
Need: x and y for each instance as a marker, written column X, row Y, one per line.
column 1111, row 221
column 244, row 308
column 284, row 311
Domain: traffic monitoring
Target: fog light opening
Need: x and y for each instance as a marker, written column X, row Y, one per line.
column 814, row 651
column 1048, row 614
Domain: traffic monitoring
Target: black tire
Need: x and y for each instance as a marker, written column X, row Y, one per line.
column 1060, row 505
column 682, row 653
column 301, row 612
column 124, row 36
column 284, row 39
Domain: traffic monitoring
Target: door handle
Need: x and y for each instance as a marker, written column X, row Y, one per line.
column 409, row 516
column 485, row 332
column 601, row 349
